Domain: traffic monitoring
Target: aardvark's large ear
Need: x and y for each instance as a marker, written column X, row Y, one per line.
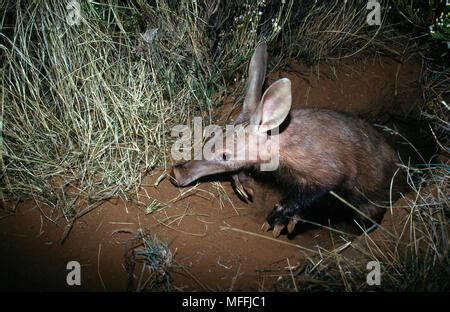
column 256, row 76
column 274, row 106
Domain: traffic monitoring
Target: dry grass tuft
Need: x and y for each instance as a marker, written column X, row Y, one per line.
column 88, row 108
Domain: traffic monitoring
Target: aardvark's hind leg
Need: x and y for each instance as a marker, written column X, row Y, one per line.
column 369, row 213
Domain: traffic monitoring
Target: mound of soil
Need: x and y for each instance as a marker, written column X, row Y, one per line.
column 371, row 88
column 216, row 240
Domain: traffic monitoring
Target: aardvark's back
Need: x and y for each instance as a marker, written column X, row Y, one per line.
column 330, row 149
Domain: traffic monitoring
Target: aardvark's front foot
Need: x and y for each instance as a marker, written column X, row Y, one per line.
column 243, row 185
column 283, row 215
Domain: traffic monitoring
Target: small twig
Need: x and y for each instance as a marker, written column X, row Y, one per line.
column 292, row 275
column 225, row 228
column 184, row 232
column 234, row 279
column 98, row 267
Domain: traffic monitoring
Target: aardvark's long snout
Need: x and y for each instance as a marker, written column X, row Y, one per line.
column 186, row 173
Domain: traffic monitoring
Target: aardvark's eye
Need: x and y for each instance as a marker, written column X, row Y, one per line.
column 226, row 156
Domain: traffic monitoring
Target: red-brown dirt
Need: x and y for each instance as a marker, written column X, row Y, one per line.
column 201, row 228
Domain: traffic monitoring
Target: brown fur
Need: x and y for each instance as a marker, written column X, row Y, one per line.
column 327, row 149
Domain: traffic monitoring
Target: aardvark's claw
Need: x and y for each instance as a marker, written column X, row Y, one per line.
column 245, row 191
column 277, row 230
column 265, row 227
column 291, row 225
